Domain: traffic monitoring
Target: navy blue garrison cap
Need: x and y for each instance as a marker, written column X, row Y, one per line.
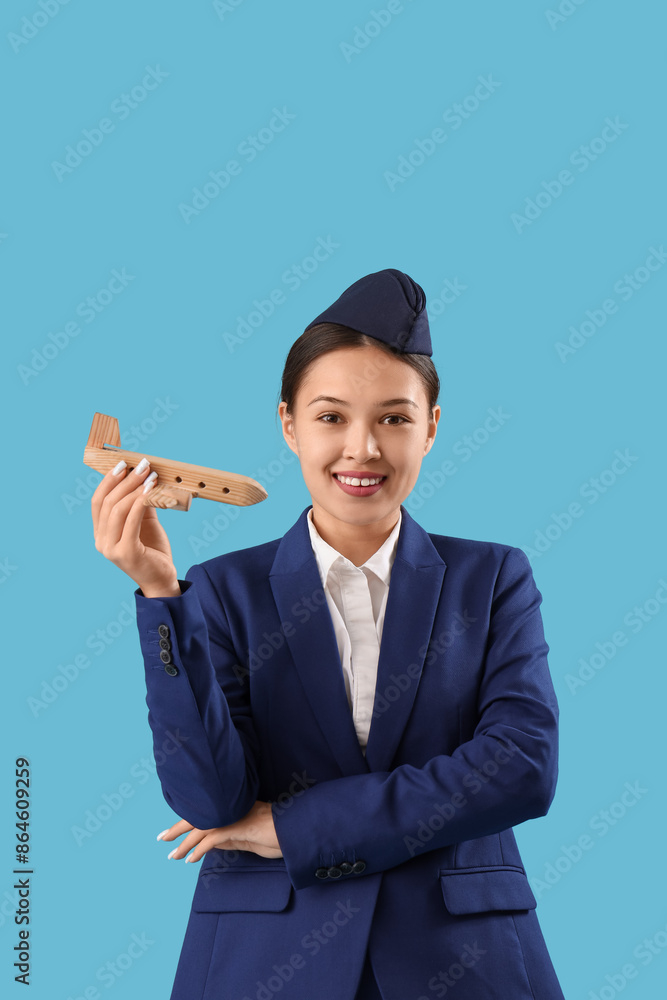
column 387, row 305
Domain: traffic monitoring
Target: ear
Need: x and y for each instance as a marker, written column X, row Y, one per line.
column 288, row 427
column 432, row 429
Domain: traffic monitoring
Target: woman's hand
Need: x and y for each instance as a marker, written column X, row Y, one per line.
column 130, row 535
column 256, row 832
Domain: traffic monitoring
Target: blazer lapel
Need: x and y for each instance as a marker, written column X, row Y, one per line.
column 414, row 592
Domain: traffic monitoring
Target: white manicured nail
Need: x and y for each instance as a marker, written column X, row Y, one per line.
column 149, row 482
column 118, row 468
column 161, row 835
column 171, row 853
column 143, row 464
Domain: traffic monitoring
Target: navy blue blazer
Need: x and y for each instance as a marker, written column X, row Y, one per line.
column 408, row 851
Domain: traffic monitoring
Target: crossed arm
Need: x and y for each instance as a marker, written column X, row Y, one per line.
column 517, row 725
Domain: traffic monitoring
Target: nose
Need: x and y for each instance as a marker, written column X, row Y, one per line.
column 361, row 444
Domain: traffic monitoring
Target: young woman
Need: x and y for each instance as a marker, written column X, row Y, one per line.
column 352, row 717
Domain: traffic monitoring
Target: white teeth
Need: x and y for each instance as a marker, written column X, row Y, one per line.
column 358, row 482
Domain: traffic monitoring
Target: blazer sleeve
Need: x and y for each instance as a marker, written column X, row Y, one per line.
column 204, row 742
column 504, row 775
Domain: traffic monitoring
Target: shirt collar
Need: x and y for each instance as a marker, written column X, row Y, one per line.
column 379, row 563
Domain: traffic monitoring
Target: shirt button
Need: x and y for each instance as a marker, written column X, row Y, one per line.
column 358, row 867
column 163, row 631
column 322, row 873
column 171, row 669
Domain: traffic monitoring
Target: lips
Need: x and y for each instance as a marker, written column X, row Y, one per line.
column 359, row 475
column 360, row 491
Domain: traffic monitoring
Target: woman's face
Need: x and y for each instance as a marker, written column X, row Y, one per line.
column 375, row 423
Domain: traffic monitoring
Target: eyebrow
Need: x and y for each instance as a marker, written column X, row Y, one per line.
column 385, row 402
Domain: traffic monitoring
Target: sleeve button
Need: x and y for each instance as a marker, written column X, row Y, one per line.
column 345, row 867
column 358, row 867
column 335, row 872
column 171, row 669
column 165, row 644
column 165, row 656
column 322, row 873
column 163, row 631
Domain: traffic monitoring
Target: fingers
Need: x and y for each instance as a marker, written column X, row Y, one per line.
column 197, row 841
column 176, row 830
column 206, row 843
column 119, row 503
column 130, row 528
column 108, row 482
column 193, row 839
column 112, row 499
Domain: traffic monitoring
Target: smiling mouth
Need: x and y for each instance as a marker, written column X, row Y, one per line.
column 359, row 480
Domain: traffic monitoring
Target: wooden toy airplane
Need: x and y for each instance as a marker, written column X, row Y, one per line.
column 177, row 482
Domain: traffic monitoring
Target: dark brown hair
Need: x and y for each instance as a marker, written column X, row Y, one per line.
column 325, row 337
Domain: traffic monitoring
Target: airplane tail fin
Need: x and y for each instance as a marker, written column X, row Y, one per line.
column 104, row 430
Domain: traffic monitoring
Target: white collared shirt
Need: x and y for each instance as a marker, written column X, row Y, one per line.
column 357, row 598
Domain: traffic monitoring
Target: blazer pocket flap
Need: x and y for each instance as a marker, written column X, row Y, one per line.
column 220, row 891
column 477, row 890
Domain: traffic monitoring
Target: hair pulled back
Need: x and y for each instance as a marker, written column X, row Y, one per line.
column 325, row 337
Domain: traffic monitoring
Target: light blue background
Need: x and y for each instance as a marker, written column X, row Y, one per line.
column 162, row 339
